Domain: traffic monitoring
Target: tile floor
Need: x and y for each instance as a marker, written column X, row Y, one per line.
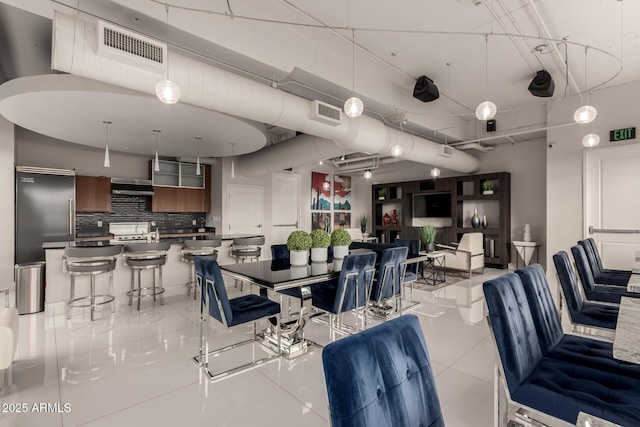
column 133, row 368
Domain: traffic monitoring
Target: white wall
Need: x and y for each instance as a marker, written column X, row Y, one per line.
column 7, row 213
column 616, row 109
column 526, row 161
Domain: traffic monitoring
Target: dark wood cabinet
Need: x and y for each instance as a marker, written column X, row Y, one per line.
column 467, row 193
column 93, row 194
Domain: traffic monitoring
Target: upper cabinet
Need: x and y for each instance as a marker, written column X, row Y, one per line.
column 93, row 194
column 167, row 198
column 177, row 174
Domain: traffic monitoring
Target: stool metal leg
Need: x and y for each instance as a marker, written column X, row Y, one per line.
column 133, row 281
column 72, row 294
column 162, row 293
column 113, row 307
column 153, row 286
column 93, row 296
column 139, row 287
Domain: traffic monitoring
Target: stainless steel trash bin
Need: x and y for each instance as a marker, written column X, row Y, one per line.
column 29, row 287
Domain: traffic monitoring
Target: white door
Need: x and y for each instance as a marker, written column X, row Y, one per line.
column 612, row 203
column 245, row 209
column 286, row 205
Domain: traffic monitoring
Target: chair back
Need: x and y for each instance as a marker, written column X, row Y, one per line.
column 382, row 377
column 356, row 234
column 584, row 271
column 590, row 252
column 569, row 283
column 216, row 294
column 207, row 243
column 147, row 247
column 414, row 250
column 389, row 275
column 543, row 309
column 471, row 242
column 513, row 328
column 280, row 253
column 249, row 241
column 93, row 251
column 596, row 253
column 356, row 276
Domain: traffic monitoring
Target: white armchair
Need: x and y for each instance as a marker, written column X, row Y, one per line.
column 467, row 255
column 8, row 332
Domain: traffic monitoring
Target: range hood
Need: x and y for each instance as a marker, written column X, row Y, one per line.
column 131, row 187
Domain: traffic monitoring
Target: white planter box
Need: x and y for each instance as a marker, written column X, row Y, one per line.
column 319, row 254
column 299, row 257
column 340, row 251
column 298, row 272
column 318, row 268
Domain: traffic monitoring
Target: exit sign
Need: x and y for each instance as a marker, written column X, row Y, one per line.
column 622, row 134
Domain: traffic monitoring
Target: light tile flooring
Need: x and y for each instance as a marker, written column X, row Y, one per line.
column 135, row 368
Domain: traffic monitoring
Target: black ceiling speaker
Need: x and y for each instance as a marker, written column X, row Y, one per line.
column 425, row 90
column 542, row 84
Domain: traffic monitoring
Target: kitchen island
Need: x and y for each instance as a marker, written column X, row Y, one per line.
column 175, row 273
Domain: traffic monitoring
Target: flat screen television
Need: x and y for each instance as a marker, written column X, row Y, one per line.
column 432, row 208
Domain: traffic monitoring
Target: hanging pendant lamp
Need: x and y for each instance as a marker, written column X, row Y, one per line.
column 166, row 90
column 107, row 160
column 486, row 110
column 353, row 107
column 435, row 172
column 198, row 138
column 233, row 168
column 367, row 174
column 586, row 113
column 156, row 163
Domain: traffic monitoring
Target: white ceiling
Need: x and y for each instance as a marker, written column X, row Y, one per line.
column 396, row 43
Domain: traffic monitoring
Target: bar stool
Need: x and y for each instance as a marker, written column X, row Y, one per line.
column 193, row 248
column 145, row 256
column 90, row 261
column 244, row 248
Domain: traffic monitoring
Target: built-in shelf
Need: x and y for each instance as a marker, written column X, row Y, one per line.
column 177, row 174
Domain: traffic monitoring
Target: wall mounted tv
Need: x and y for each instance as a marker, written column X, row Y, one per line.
column 431, row 208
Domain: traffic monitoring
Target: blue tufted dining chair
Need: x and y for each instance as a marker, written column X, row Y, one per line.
column 602, row 276
column 382, row 377
column 349, row 292
column 387, row 284
column 230, row 312
column 412, row 270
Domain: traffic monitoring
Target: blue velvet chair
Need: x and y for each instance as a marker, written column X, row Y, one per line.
column 230, row 312
column 549, row 375
column 387, row 284
column 349, row 292
column 382, row 377
column 593, row 292
column 601, row 275
column 586, row 317
column 411, row 271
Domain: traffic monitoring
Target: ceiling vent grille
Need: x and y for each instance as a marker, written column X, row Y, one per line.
column 446, row 151
column 131, row 48
column 326, row 113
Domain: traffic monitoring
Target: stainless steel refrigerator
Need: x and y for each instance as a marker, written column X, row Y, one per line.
column 45, row 210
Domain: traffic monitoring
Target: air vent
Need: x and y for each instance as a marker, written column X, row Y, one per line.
column 446, row 151
column 326, row 113
column 133, row 49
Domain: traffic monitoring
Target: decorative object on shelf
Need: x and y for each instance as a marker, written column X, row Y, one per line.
column 386, row 219
column 394, row 218
column 487, row 187
column 484, row 221
column 475, row 219
column 364, row 221
column 340, row 240
column 320, row 241
column 527, row 233
column 428, row 235
column 382, row 193
column 299, row 243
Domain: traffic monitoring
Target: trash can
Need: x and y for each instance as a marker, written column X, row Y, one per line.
column 29, row 287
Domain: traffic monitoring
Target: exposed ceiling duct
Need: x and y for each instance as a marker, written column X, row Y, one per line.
column 75, row 43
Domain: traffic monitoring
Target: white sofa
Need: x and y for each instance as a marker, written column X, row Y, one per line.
column 467, row 255
column 8, row 332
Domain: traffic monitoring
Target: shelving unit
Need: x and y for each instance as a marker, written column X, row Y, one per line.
column 176, row 174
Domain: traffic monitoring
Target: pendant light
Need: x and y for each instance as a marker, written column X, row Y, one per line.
column 233, row 168
column 156, row 163
column 166, row 90
column 198, row 138
column 435, row 172
column 591, row 140
column 367, row 174
column 107, row 161
column 486, row 110
column 586, row 113
column 353, row 107
column 396, row 149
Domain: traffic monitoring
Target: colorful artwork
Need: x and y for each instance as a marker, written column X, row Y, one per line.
column 320, row 191
column 341, row 193
column 341, row 220
column 321, row 220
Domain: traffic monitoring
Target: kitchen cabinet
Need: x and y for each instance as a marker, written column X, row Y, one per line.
column 173, row 199
column 178, row 174
column 93, row 194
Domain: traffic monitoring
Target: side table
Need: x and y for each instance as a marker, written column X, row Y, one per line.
column 525, row 251
column 434, row 268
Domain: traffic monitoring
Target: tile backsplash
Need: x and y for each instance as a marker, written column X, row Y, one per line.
column 134, row 209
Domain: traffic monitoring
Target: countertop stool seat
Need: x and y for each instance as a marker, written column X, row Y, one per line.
column 90, row 261
column 146, row 256
column 193, row 248
column 247, row 248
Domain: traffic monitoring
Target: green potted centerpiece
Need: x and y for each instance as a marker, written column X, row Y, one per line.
column 340, row 240
column 320, row 241
column 428, row 235
column 364, row 221
column 299, row 243
column 487, row 187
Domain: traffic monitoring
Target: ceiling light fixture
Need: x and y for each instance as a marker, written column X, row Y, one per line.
column 167, row 91
column 586, row 113
column 156, row 163
column 107, row 161
column 320, row 162
column 486, row 110
column 353, row 107
column 435, row 172
column 396, row 150
column 233, row 166
column 367, row 174
column 591, row 140
column 198, row 138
